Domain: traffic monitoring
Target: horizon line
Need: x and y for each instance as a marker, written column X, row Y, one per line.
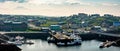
column 55, row 16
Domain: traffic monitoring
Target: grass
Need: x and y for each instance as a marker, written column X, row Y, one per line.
column 49, row 23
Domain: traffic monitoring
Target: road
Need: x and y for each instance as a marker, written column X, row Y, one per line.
column 108, row 34
column 20, row 32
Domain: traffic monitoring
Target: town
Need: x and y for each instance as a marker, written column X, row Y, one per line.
column 77, row 21
column 104, row 28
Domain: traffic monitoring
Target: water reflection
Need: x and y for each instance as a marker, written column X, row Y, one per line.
column 92, row 45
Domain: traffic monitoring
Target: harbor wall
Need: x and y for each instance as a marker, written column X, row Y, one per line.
column 90, row 36
column 44, row 35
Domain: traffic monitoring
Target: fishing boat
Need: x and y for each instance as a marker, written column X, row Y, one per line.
column 75, row 40
column 106, row 44
column 65, row 40
column 18, row 40
column 50, row 39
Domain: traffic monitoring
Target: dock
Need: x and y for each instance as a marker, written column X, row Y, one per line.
column 28, row 35
column 106, row 44
column 109, row 43
column 106, row 34
column 61, row 36
column 63, row 39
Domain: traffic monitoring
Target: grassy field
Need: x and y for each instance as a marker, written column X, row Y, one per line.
column 49, row 23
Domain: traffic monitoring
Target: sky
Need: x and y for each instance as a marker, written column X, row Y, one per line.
column 59, row 7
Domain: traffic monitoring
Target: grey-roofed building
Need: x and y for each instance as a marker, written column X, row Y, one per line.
column 19, row 26
column 13, row 26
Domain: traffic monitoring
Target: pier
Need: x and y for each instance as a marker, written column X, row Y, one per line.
column 44, row 35
column 60, row 37
column 28, row 35
column 106, row 34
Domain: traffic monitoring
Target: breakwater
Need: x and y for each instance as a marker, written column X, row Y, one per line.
column 90, row 36
column 39, row 35
column 44, row 35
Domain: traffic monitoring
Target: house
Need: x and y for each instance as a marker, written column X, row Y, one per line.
column 13, row 26
column 55, row 27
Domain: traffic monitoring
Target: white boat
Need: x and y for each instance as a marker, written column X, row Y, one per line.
column 106, row 44
column 68, row 43
column 28, row 42
column 15, row 42
column 60, row 43
column 18, row 40
column 76, row 41
column 62, row 39
column 50, row 39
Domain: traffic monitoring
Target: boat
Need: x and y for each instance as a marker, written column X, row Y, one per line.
column 18, row 40
column 106, row 44
column 76, row 40
column 28, row 42
column 65, row 40
column 50, row 39
column 60, row 43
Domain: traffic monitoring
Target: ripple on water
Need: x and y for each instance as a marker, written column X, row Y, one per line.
column 91, row 45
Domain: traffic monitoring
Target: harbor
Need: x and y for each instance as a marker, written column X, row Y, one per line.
column 88, row 45
column 63, row 40
column 59, row 25
column 65, row 34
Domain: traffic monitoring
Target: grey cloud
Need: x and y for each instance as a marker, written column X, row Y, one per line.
column 20, row 7
column 19, row 1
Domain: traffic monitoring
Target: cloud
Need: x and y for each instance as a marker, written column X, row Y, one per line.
column 58, row 2
column 110, row 4
column 64, row 2
column 56, row 7
column 19, row 1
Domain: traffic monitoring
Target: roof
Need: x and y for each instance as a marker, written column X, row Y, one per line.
column 61, row 36
column 17, row 22
column 54, row 25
